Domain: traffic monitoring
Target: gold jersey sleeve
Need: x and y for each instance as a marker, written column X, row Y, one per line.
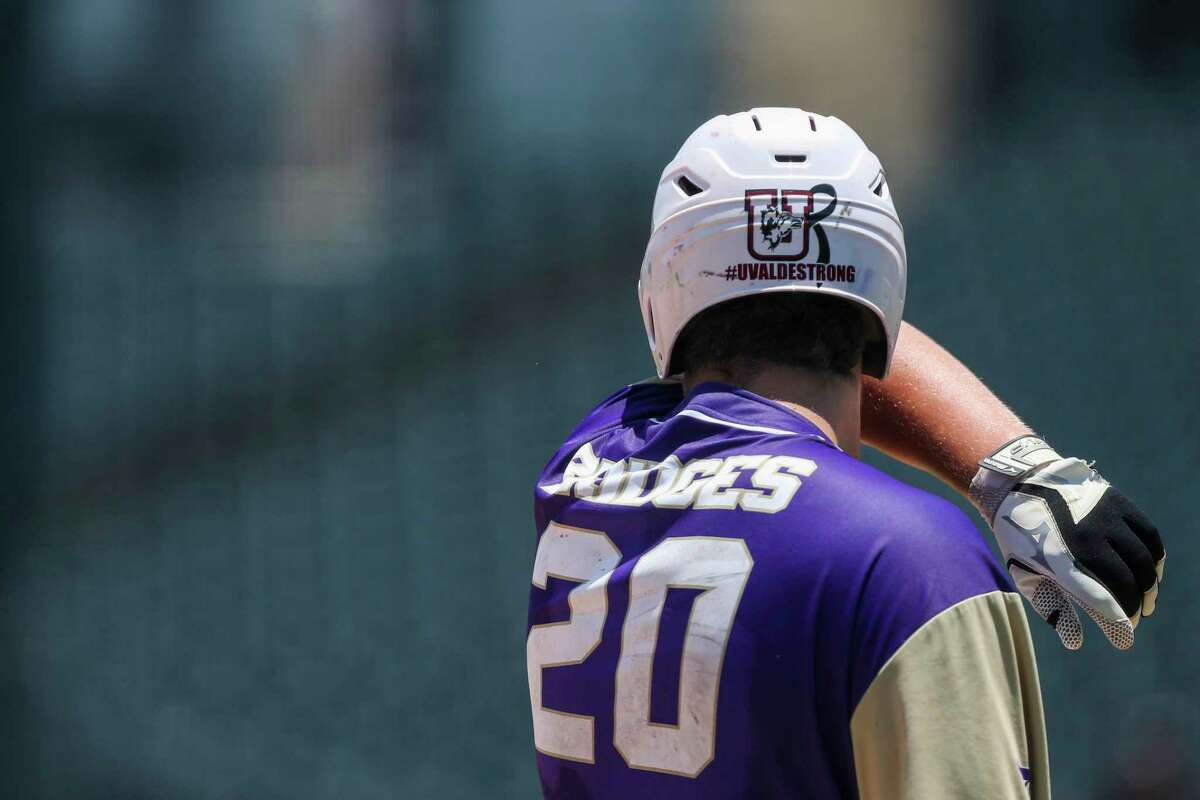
column 956, row 712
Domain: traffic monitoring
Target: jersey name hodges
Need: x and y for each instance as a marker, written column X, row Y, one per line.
column 761, row 483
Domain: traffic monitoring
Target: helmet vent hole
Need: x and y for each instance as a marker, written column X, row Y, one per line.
column 878, row 184
column 687, row 186
column 794, row 159
column 757, row 124
column 812, row 123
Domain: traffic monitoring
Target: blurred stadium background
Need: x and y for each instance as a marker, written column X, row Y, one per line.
column 298, row 296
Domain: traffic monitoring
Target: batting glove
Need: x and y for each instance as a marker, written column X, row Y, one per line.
column 1066, row 534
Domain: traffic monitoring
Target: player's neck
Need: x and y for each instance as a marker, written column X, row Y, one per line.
column 831, row 402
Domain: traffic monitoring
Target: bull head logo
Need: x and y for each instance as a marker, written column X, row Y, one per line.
column 782, row 219
column 777, row 226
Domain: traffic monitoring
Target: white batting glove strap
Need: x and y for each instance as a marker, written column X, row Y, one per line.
column 1040, row 513
column 1003, row 469
column 1019, row 456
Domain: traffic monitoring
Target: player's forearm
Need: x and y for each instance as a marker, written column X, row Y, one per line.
column 933, row 413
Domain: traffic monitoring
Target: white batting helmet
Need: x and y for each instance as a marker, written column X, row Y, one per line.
column 769, row 200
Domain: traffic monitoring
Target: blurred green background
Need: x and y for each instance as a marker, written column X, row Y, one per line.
column 299, row 295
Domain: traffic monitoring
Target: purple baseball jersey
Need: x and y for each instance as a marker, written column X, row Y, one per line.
column 726, row 605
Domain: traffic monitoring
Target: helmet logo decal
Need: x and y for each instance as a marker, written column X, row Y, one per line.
column 779, row 221
column 777, row 225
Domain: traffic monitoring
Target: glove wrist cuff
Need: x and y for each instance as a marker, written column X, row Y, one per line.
column 1000, row 471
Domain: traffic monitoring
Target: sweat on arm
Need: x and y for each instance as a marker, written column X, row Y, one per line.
column 931, row 412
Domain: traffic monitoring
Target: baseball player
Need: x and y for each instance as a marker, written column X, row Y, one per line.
column 726, row 602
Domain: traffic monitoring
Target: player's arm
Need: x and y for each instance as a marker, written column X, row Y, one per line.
column 933, row 413
column 1065, row 533
column 956, row 711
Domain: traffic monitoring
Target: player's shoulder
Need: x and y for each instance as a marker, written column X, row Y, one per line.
column 907, row 521
column 608, row 434
column 908, row 557
column 629, row 406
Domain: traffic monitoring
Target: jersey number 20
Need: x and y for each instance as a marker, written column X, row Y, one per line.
column 717, row 567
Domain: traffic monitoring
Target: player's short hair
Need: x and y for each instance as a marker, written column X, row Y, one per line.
column 793, row 329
